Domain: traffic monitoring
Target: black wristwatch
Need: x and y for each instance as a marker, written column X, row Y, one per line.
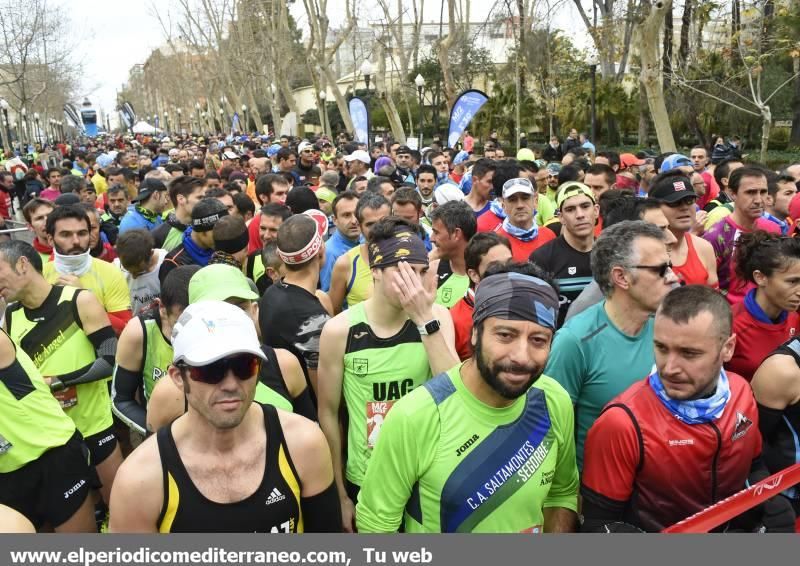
column 430, row 327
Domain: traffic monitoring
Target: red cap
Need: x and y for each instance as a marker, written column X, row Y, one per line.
column 629, row 160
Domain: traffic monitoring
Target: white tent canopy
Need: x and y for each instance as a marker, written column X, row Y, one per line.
column 143, row 127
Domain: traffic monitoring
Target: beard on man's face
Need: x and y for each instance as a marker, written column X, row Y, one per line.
column 490, row 372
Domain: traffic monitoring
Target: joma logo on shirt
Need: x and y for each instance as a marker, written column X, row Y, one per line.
column 392, row 390
column 470, row 441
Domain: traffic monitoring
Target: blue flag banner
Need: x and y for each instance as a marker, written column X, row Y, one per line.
column 467, row 105
column 156, row 122
column 360, row 118
column 236, row 125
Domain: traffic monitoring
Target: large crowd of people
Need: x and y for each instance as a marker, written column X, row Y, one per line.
column 257, row 334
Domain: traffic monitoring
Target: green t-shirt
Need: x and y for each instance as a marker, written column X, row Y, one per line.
column 31, row 420
column 173, row 240
column 377, row 372
column 451, row 287
column 446, row 462
column 594, row 361
column 158, row 355
column 546, row 207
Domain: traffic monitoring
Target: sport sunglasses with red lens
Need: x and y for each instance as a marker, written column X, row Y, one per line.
column 243, row 366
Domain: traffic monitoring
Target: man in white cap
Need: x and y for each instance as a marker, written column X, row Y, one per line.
column 212, row 458
column 519, row 225
column 357, row 165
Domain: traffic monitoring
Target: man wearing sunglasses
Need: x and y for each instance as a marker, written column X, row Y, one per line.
column 692, row 257
column 214, row 456
column 599, row 353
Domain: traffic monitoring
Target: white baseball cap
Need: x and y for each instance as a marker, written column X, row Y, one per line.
column 208, row 331
column 518, row 185
column 447, row 192
column 359, row 155
column 304, row 146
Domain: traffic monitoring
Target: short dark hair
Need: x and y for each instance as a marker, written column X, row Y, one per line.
column 244, row 204
column 374, row 183
column 126, row 172
column 425, row 168
column 505, row 170
column 33, row 205
column 228, row 228
column 482, row 167
column 764, row 252
column 175, row 288
column 373, row 201
column 682, row 304
column 456, row 214
column 479, row 245
column 216, row 192
column 407, row 195
column 183, row 186
column 626, row 207
column 175, row 167
column 735, row 178
column 612, row 156
column 12, row 250
column 723, row 170
column 135, row 247
column 285, row 153
column 117, row 188
column 56, row 170
column 346, row 195
column 197, row 164
column 276, row 209
column 571, row 173
column 265, row 184
column 601, row 169
column 64, row 212
column 301, row 199
column 72, row 184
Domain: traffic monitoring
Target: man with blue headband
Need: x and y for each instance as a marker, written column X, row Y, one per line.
column 489, row 445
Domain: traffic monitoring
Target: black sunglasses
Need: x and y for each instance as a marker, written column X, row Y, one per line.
column 243, row 366
column 660, row 270
column 682, row 202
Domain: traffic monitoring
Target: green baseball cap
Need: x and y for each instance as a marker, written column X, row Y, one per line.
column 220, row 282
column 325, row 194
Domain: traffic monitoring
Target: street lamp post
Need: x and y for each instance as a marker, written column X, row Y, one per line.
column 322, row 96
column 180, row 112
column 554, row 94
column 245, row 125
column 24, row 136
column 274, row 109
column 7, row 126
column 221, row 119
column 366, row 70
column 37, row 136
column 419, row 80
column 199, row 123
column 166, row 122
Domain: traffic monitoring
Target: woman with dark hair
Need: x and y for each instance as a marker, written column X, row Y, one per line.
column 768, row 315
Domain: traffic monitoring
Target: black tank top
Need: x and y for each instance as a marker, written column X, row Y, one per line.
column 273, row 508
column 783, row 450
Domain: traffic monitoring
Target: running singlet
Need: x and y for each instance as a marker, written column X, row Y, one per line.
column 53, row 338
column 359, row 287
column 31, row 420
column 463, row 466
column 693, row 271
column 273, row 508
column 571, row 268
column 271, row 387
column 377, row 372
column 157, row 355
column 781, row 446
column 451, row 287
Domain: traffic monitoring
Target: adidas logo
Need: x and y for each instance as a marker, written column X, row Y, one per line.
column 275, row 496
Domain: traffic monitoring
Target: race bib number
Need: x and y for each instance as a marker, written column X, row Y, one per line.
column 5, row 445
column 535, row 530
column 67, row 398
column 376, row 413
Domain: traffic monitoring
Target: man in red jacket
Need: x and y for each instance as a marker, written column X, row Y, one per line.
column 686, row 436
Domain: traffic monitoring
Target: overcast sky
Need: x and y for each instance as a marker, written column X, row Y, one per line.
column 112, row 39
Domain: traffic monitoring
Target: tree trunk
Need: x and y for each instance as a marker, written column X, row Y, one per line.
column 686, row 24
column 650, row 74
column 644, row 124
column 766, row 124
column 444, row 55
column 794, row 137
column 666, row 54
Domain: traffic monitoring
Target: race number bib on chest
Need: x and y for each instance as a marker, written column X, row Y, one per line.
column 376, row 414
column 67, row 398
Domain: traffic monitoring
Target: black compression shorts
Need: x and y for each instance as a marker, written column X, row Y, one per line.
column 50, row 490
column 101, row 445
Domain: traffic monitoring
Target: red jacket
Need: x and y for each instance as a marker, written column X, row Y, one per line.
column 461, row 313
column 521, row 251
column 662, row 469
column 755, row 340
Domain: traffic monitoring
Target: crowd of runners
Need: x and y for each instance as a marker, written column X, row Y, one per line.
column 255, row 334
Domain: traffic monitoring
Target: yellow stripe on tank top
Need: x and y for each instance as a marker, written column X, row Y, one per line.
column 173, row 498
column 291, row 480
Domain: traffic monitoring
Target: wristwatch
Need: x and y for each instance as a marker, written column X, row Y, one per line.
column 430, row 327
